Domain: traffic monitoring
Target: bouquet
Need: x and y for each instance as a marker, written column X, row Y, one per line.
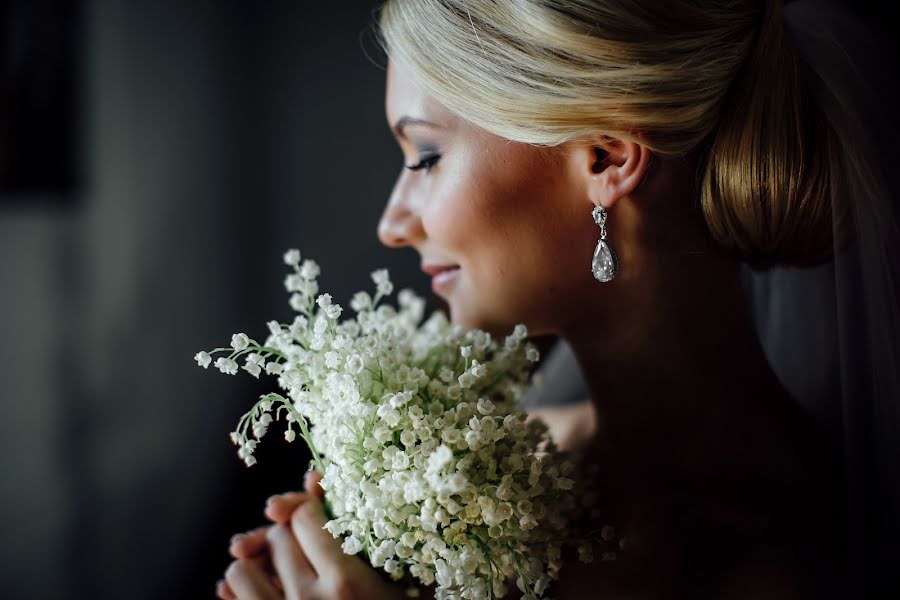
column 430, row 469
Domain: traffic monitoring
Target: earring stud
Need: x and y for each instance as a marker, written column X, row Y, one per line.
column 605, row 265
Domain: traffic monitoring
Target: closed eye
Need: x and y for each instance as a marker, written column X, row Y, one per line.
column 425, row 163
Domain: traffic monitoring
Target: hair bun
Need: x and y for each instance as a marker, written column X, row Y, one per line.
column 765, row 190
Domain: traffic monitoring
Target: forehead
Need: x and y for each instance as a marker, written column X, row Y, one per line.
column 404, row 97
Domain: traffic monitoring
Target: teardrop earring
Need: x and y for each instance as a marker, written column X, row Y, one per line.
column 605, row 265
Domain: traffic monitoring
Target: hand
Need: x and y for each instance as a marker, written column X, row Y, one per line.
column 572, row 426
column 253, row 545
column 299, row 560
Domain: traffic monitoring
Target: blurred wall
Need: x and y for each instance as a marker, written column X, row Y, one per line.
column 215, row 135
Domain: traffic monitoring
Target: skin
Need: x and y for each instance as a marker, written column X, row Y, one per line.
column 296, row 559
column 721, row 484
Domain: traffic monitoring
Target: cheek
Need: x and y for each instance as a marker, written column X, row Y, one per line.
column 529, row 210
column 510, row 219
column 464, row 212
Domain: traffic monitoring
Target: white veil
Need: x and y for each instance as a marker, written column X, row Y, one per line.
column 853, row 78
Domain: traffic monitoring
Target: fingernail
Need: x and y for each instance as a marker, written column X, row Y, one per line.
column 306, row 478
column 236, row 538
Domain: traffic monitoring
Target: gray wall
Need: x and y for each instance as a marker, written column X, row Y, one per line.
column 215, row 135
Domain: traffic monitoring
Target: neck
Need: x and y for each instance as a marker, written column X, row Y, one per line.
column 680, row 380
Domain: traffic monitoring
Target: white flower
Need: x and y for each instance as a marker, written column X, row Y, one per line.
column 380, row 276
column 473, row 439
column 457, row 482
column 239, row 341
column 274, row 368
column 227, row 366
column 400, row 461
column 253, row 368
column 389, row 415
column 438, row 459
column 298, row 326
column 407, row 438
column 309, row 270
column 391, row 566
column 297, row 302
column 203, row 359
column 400, row 400
column 355, row 364
column 332, row 359
column 320, row 326
column 351, row 545
column 450, row 435
column 466, row 379
column 382, row 282
column 293, row 283
column 259, row 430
column 361, row 301
column 428, row 471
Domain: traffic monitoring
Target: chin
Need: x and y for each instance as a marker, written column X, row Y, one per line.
column 475, row 319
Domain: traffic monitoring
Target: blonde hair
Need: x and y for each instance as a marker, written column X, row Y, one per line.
column 678, row 76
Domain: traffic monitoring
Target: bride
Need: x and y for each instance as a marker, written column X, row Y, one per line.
column 600, row 170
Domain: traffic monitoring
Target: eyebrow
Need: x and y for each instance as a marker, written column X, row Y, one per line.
column 405, row 121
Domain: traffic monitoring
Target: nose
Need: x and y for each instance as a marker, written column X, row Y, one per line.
column 399, row 225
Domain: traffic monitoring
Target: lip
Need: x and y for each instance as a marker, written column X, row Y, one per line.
column 435, row 269
column 442, row 276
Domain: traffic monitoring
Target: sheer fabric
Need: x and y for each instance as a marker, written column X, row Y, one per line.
column 853, row 78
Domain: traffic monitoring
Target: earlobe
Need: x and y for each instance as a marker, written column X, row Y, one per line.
column 617, row 168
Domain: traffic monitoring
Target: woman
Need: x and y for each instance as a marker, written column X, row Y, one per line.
column 706, row 135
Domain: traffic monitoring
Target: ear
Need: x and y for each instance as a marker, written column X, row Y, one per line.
column 612, row 168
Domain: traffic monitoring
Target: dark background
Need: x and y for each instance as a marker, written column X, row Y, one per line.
column 156, row 159
column 172, row 152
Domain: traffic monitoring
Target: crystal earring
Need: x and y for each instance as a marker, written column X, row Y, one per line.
column 605, row 264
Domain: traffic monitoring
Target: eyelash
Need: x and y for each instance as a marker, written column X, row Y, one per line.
column 425, row 163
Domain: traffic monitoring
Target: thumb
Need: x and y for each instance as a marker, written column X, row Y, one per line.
column 311, row 484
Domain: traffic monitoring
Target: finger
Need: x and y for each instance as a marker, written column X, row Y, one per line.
column 249, row 544
column 249, row 581
column 280, row 508
column 320, row 547
column 311, row 484
column 293, row 568
column 223, row 591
